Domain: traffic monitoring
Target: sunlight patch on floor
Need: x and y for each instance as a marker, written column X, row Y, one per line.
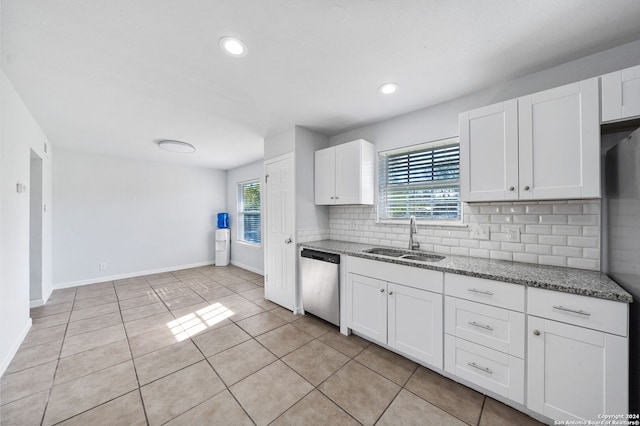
column 198, row 321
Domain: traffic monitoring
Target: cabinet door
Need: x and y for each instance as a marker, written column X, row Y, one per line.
column 559, row 142
column 621, row 94
column 489, row 153
column 575, row 373
column 367, row 307
column 325, row 176
column 348, row 173
column 415, row 323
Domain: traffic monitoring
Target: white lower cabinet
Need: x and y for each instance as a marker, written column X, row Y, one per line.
column 404, row 318
column 415, row 323
column 493, row 370
column 574, row 349
column 575, row 373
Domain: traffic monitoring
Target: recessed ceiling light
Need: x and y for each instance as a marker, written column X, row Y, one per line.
column 233, row 46
column 388, row 88
column 176, row 146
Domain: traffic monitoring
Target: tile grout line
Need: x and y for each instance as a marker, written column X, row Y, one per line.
column 55, row 372
column 135, row 370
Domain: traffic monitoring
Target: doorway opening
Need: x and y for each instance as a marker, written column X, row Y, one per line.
column 35, row 230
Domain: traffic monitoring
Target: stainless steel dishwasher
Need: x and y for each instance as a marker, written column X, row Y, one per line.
column 319, row 272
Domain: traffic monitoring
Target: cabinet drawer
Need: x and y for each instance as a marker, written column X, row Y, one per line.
column 496, row 328
column 590, row 312
column 423, row 279
column 495, row 293
column 493, row 370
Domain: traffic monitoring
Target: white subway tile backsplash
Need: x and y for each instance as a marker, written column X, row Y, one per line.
column 567, row 209
column 584, row 219
column 512, row 247
column 538, row 248
column 460, row 251
column 554, row 240
column 537, row 229
column 567, row 251
column 526, row 219
column 479, row 253
column 539, row 209
column 500, row 255
column 553, row 219
column 513, row 209
column 552, row 260
column 583, row 241
column 525, row 257
column 565, row 233
column 490, row 209
column 582, row 263
column 566, row 230
column 591, row 231
column 591, row 208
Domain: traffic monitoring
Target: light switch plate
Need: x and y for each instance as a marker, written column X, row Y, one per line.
column 480, row 232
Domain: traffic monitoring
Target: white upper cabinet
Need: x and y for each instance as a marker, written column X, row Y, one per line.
column 491, row 161
column 559, row 143
column 344, row 174
column 621, row 95
column 540, row 146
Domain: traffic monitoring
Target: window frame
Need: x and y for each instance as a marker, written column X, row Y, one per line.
column 382, row 186
column 240, row 232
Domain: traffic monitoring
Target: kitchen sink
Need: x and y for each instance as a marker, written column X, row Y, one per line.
column 405, row 254
column 423, row 258
column 385, row 252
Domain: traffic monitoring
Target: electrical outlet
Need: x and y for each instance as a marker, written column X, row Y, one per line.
column 514, row 234
column 480, row 232
column 102, row 266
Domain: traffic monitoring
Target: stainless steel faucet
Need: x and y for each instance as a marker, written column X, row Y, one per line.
column 413, row 229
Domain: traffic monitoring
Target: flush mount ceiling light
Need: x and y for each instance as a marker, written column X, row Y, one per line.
column 388, row 88
column 233, row 46
column 176, row 146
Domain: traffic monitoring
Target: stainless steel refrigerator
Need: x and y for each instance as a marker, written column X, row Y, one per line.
column 622, row 256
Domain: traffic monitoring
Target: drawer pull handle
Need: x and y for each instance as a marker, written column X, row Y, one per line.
column 475, row 324
column 485, row 369
column 575, row 311
column 475, row 290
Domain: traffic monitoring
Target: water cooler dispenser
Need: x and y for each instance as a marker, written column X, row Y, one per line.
column 223, row 240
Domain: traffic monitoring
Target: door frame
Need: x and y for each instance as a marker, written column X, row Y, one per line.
column 296, row 293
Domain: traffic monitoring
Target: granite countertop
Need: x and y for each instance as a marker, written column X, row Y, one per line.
column 568, row 280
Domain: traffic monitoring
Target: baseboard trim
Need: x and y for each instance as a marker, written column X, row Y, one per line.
column 41, row 302
column 247, row 267
column 14, row 348
column 130, row 275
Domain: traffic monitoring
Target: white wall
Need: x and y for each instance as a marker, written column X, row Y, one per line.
column 135, row 216
column 19, row 134
column 279, row 144
column 309, row 217
column 247, row 256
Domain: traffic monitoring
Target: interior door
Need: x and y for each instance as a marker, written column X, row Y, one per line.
column 280, row 247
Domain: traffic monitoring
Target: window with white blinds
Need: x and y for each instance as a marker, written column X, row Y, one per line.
column 249, row 221
column 422, row 181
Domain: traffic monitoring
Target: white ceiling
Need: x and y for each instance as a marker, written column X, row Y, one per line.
column 113, row 76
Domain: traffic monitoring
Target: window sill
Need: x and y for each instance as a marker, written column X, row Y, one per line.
column 248, row 244
column 424, row 223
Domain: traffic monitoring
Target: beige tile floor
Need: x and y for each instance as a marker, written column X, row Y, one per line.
column 203, row 347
